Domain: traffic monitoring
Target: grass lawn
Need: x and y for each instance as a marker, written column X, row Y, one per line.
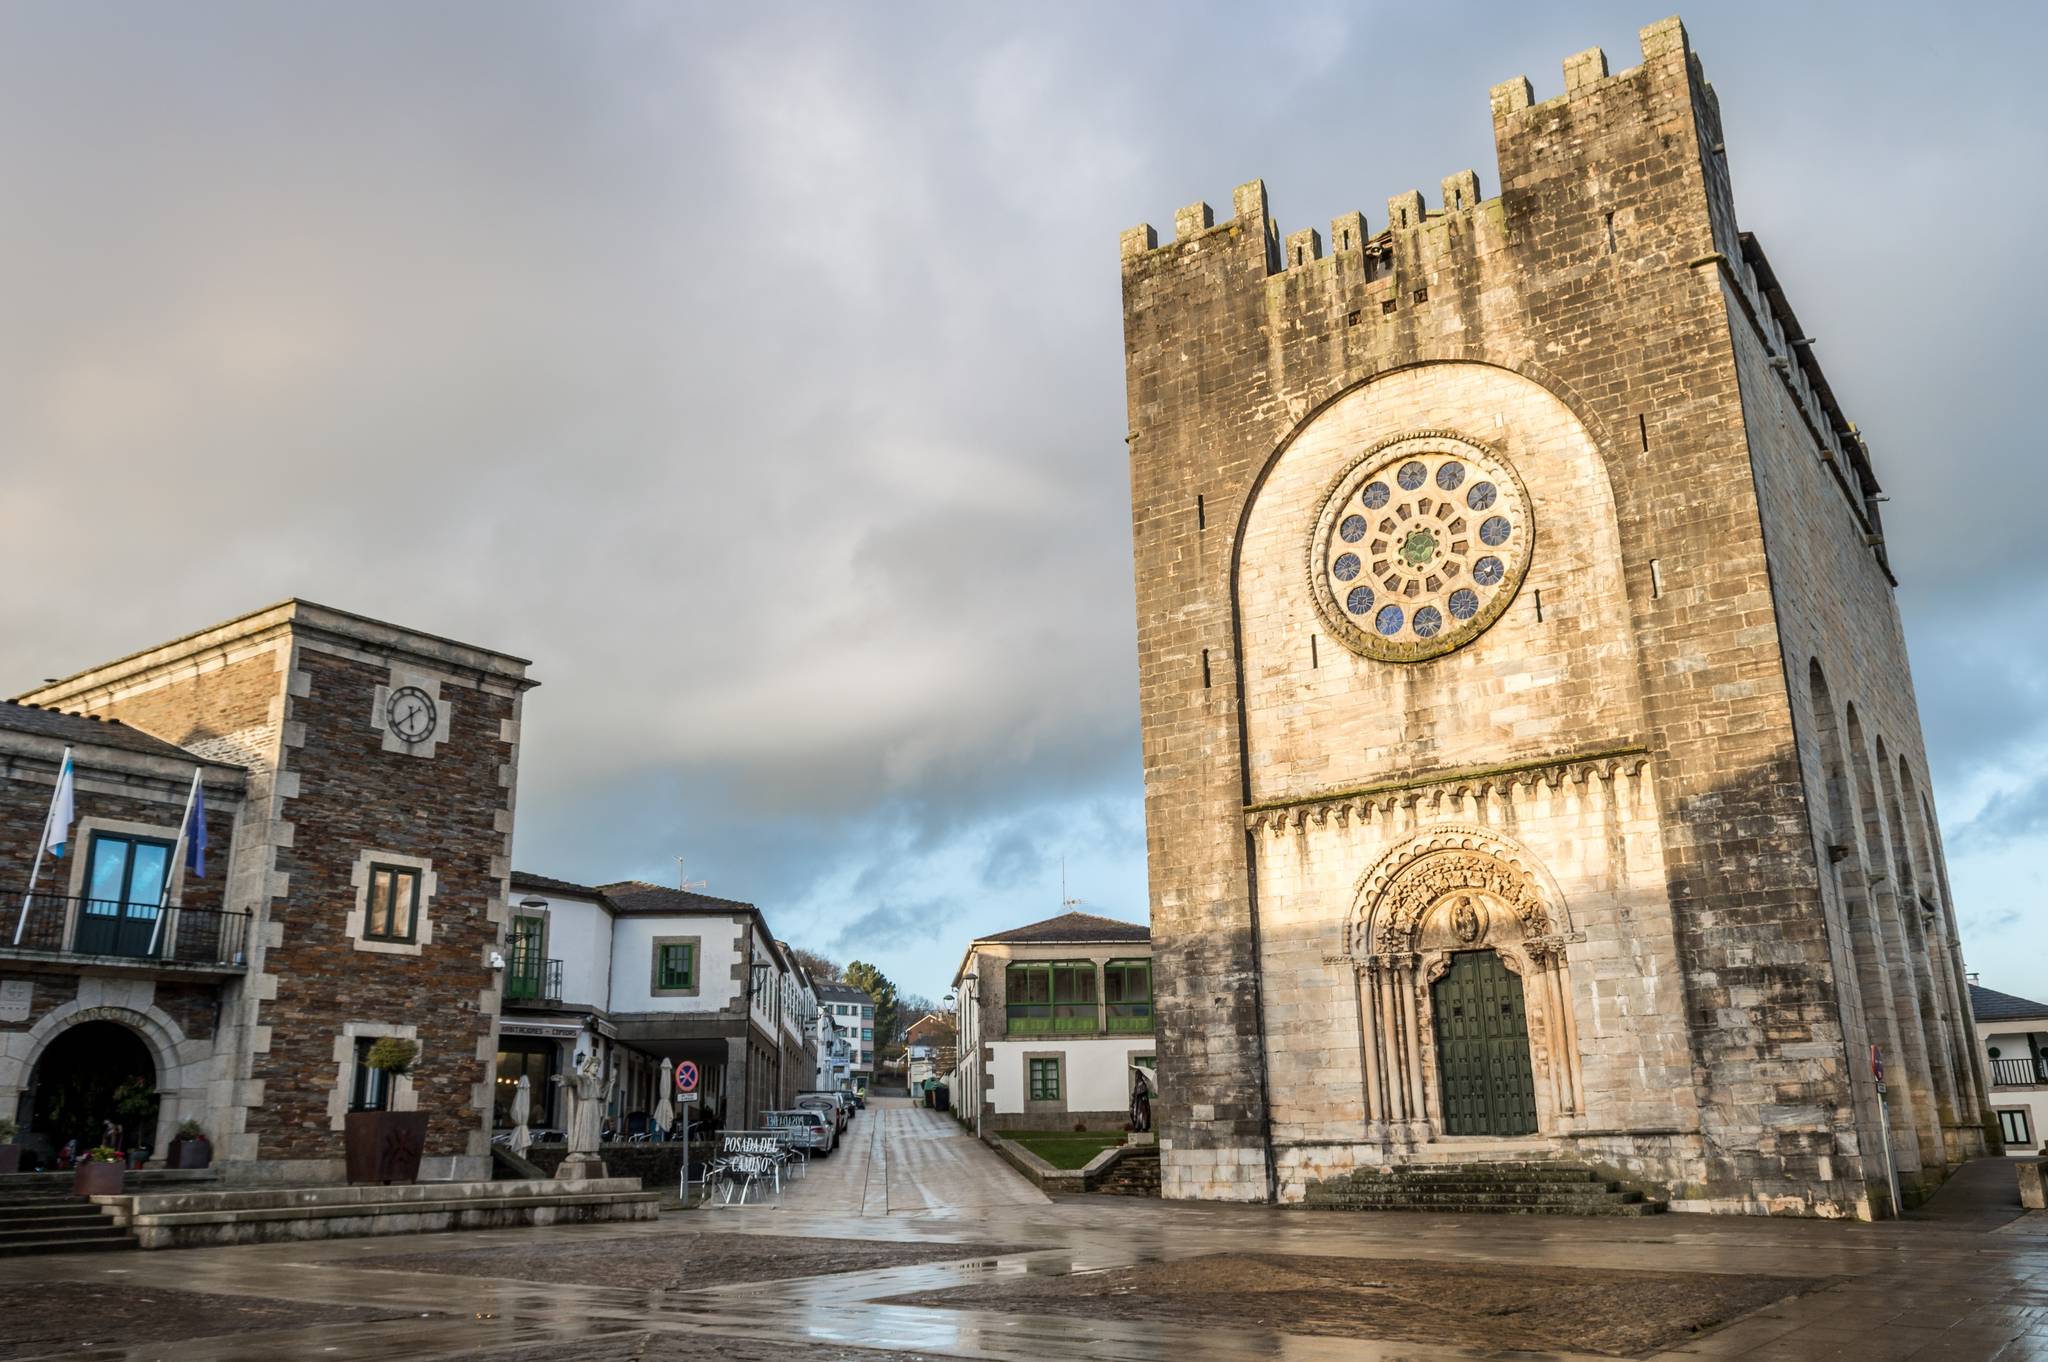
column 1065, row 1148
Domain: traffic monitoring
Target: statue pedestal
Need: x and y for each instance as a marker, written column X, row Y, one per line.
column 577, row 1167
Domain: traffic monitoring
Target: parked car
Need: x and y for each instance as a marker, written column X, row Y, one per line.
column 806, row 1127
column 829, row 1104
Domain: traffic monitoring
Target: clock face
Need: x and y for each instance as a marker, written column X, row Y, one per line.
column 410, row 713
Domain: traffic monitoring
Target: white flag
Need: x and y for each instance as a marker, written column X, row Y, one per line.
column 57, row 828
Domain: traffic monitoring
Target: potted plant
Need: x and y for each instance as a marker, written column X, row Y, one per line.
column 10, row 1152
column 385, row 1146
column 135, row 1102
column 100, row 1172
column 189, row 1147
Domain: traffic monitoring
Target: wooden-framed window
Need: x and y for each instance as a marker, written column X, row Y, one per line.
column 394, row 904
column 2012, row 1123
column 1127, row 995
column 1044, row 1078
column 676, row 965
column 1044, row 997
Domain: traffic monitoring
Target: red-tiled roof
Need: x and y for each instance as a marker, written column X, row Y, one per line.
column 1080, row 927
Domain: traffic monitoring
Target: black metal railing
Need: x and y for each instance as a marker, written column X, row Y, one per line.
column 59, row 925
column 531, row 979
column 2019, row 1073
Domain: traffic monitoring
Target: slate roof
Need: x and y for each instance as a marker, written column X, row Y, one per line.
column 638, row 896
column 89, row 730
column 841, row 993
column 548, row 884
column 1991, row 1005
column 1075, row 927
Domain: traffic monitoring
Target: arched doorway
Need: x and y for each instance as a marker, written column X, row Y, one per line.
column 1482, row 1046
column 78, row 1086
column 1450, row 927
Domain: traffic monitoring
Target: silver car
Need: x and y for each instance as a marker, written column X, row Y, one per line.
column 804, row 1127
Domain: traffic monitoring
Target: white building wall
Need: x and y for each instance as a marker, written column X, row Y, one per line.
column 2012, row 1045
column 719, row 951
column 579, row 934
column 1095, row 1074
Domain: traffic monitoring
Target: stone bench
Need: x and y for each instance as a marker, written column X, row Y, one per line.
column 188, row 1219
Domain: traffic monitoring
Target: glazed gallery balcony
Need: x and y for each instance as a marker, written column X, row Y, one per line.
column 119, row 932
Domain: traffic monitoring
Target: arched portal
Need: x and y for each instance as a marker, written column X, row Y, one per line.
column 79, row 1081
column 1448, row 929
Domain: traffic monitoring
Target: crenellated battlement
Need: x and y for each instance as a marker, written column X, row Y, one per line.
column 1586, row 77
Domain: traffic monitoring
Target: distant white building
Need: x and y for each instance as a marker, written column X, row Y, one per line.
column 638, row 973
column 854, row 1011
column 835, row 1054
column 1055, row 1024
column 2013, row 1033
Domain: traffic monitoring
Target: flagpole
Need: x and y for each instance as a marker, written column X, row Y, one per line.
column 163, row 904
column 56, row 793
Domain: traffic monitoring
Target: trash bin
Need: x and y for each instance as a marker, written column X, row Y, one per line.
column 942, row 1097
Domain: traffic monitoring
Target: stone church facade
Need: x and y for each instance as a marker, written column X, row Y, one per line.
column 1532, row 763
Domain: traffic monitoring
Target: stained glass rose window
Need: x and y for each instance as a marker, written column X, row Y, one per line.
column 1420, row 546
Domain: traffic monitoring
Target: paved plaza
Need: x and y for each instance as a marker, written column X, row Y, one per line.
column 912, row 1207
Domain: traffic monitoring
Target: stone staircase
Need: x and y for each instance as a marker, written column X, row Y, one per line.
column 1135, row 1173
column 56, row 1221
column 1515, row 1188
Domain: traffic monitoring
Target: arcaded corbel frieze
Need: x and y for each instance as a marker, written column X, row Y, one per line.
column 1509, row 786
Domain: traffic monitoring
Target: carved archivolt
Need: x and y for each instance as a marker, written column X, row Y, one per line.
column 1395, row 897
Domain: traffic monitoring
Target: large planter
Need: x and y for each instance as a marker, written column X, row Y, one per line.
column 190, row 1152
column 10, row 1158
column 385, row 1146
column 97, row 1178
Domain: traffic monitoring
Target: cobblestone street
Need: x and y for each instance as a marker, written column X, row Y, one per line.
column 897, row 1159
column 1970, row 1285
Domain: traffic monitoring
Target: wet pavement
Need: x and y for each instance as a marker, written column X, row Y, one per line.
column 1965, row 1287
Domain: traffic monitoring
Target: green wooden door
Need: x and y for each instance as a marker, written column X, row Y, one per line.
column 1482, row 1045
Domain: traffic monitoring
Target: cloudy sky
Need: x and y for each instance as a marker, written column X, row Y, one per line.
column 757, row 371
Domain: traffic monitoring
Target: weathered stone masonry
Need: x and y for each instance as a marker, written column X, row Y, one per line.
column 1728, row 875
column 296, row 695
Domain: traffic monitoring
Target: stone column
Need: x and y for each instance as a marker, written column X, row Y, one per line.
column 1407, row 980
column 1370, row 1027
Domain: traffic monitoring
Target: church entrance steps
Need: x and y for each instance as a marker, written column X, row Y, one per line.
column 1545, row 1188
column 56, row 1222
column 267, row 1215
column 1136, row 1173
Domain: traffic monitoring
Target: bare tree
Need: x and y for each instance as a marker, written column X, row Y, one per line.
column 822, row 971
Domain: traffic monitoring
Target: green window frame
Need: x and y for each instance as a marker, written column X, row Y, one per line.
column 1047, row 997
column 1045, row 1080
column 676, row 965
column 1127, row 996
column 393, row 910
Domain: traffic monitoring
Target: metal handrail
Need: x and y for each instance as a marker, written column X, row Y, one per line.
column 68, row 926
column 532, row 979
column 2019, row 1073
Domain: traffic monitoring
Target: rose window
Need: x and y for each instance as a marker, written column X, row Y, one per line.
column 1421, row 545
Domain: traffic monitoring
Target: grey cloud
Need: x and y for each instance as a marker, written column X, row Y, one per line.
column 758, row 373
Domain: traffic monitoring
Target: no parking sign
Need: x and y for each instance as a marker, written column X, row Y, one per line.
column 686, row 1078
